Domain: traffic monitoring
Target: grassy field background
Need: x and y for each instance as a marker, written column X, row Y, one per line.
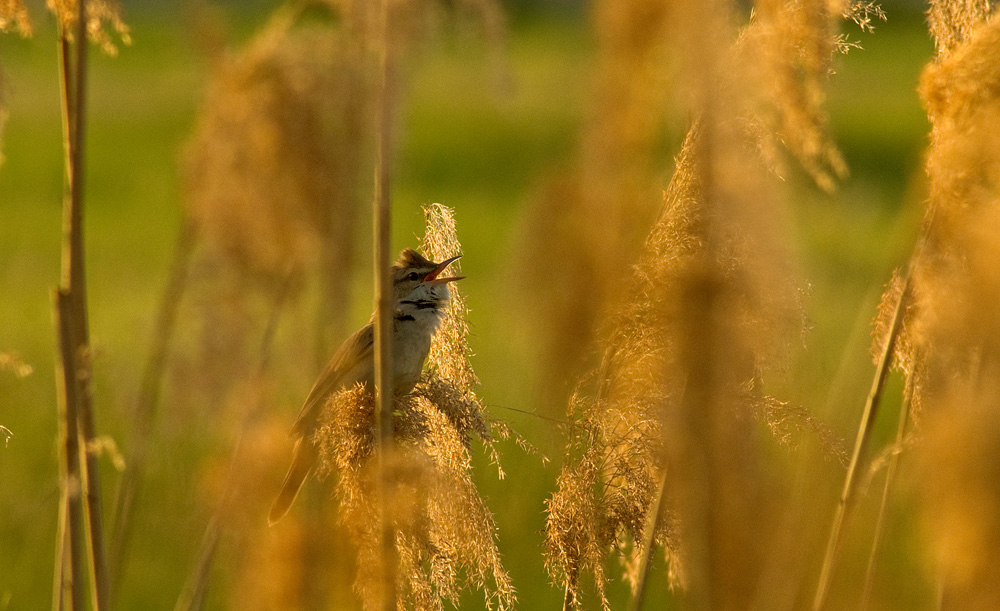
column 472, row 138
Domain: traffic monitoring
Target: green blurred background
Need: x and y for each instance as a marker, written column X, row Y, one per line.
column 474, row 137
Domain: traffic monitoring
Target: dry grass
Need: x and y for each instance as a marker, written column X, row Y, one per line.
column 272, row 179
column 646, row 76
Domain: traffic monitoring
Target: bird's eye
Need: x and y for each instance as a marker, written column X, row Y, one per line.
column 413, row 276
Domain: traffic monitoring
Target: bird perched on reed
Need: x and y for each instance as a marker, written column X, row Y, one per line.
column 420, row 296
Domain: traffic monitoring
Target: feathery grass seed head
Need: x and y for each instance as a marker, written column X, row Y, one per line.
column 14, row 16
column 102, row 16
column 444, row 533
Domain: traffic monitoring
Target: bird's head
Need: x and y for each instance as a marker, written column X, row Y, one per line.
column 412, row 270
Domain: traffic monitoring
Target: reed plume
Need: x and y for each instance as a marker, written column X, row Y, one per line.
column 792, row 45
column 601, row 204
column 954, row 334
column 272, row 185
column 710, row 310
column 104, row 24
column 444, row 533
column 12, row 362
column 260, row 168
column 14, row 16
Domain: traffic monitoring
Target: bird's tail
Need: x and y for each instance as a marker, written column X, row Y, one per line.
column 303, row 457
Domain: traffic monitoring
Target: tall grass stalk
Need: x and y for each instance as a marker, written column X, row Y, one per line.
column 381, row 209
column 649, row 544
column 147, row 401
column 73, row 293
column 192, row 596
column 890, row 477
column 860, row 444
column 71, row 528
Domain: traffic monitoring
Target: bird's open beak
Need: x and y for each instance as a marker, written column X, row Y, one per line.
column 433, row 276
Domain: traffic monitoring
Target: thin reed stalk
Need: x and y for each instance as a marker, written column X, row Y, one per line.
column 147, row 401
column 193, row 595
column 649, row 543
column 890, row 476
column 73, row 81
column 71, row 502
column 860, row 444
column 569, row 599
column 381, row 208
column 61, row 527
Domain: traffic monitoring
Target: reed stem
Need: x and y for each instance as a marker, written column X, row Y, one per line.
column 860, row 444
column 648, row 543
column 71, row 529
column 147, row 401
column 382, row 207
column 72, row 300
column 890, row 477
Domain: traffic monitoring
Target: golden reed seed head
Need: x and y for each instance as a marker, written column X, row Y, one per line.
column 959, row 467
column 450, row 351
column 445, row 534
column 14, row 16
column 791, row 45
column 102, row 16
column 951, row 21
column 711, row 307
column 260, row 169
column 950, row 342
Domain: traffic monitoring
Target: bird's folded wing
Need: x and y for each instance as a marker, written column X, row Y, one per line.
column 355, row 351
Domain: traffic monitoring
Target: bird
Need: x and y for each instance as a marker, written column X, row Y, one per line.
column 419, row 296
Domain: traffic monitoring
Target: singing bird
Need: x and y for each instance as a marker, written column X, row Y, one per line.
column 420, row 296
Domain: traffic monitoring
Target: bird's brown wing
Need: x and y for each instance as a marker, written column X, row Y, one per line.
column 353, row 352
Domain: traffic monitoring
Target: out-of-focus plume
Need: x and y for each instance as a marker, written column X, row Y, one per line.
column 14, row 16
column 951, row 351
column 103, row 18
column 272, row 178
column 261, row 171
column 709, row 308
column 792, row 45
column 586, row 225
column 587, row 222
column 444, row 533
